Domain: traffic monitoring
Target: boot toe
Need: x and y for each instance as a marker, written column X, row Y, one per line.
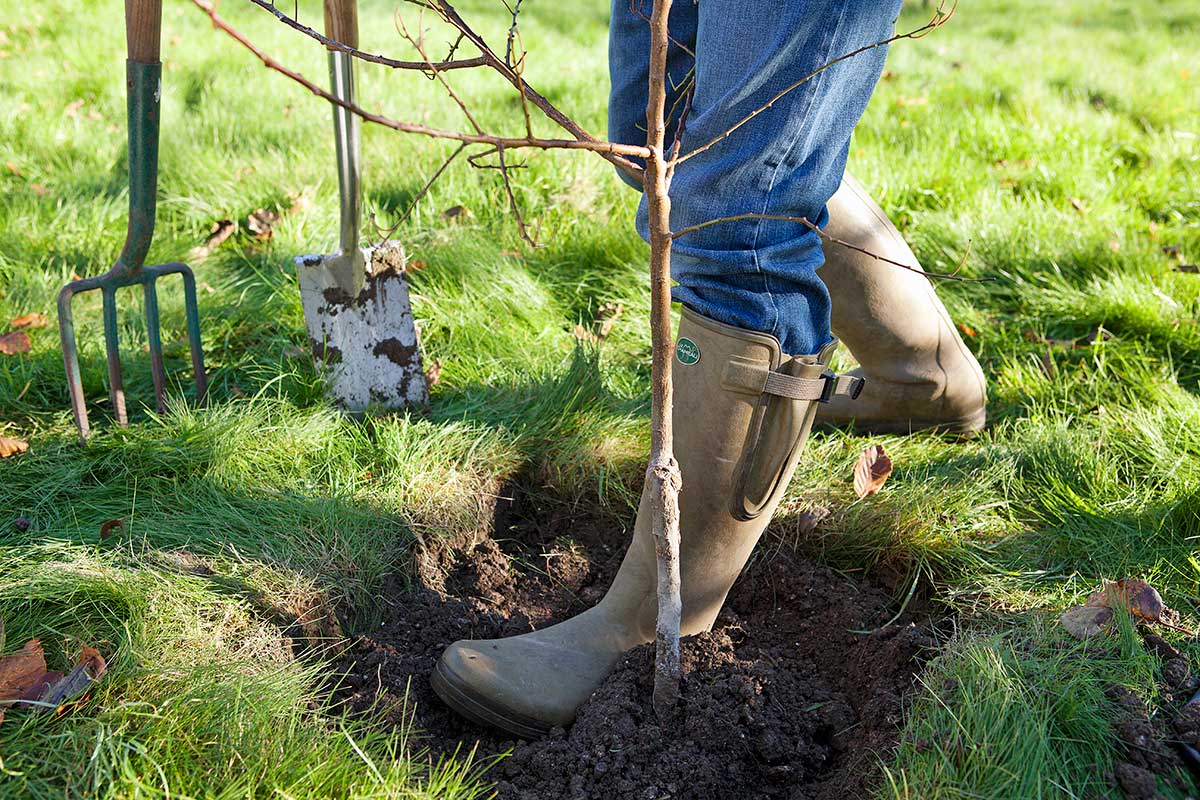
column 514, row 684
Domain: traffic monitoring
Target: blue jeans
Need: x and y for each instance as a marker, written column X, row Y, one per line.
column 755, row 274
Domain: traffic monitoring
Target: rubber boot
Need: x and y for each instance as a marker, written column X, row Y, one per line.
column 742, row 412
column 920, row 374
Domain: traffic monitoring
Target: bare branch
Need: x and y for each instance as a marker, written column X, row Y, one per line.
column 552, row 113
column 605, row 149
column 617, row 157
column 940, row 17
column 419, row 45
column 512, row 200
column 386, row 234
column 333, row 44
column 635, row 6
column 949, row 276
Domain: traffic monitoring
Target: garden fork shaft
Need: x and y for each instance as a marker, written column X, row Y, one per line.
column 143, row 23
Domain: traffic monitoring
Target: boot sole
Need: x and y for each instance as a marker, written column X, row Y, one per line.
column 459, row 695
column 966, row 426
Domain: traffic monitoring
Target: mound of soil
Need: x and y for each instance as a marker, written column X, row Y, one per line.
column 783, row 699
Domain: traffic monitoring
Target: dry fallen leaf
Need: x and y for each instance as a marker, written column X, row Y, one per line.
column 111, row 526
column 457, row 214
column 872, row 471
column 34, row 320
column 1140, row 599
column 1084, row 622
column 21, row 672
column 810, row 518
column 90, row 667
column 416, row 265
column 967, row 330
column 221, row 230
column 24, row 679
column 584, row 335
column 1079, row 205
column 434, row 373
column 11, row 447
column 1191, row 269
column 14, row 343
column 261, row 222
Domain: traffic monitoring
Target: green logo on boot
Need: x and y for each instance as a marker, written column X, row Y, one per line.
column 686, row 351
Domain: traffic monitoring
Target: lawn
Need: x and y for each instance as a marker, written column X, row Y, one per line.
column 1056, row 145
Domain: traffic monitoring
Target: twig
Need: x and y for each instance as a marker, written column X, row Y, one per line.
column 419, row 195
column 636, row 7
column 419, row 46
column 333, row 44
column 512, row 200
column 603, row 148
column 949, row 276
column 940, row 17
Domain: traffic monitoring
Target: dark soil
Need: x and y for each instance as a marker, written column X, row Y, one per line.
column 782, row 699
column 1153, row 744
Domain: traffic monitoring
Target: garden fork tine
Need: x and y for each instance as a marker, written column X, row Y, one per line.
column 143, row 22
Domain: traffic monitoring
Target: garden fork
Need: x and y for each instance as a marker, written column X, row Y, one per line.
column 143, row 22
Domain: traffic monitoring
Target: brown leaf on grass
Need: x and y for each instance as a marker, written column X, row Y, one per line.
column 872, row 471
column 967, row 330
column 34, row 320
column 1079, row 205
column 90, row 667
column 416, row 265
column 457, row 214
column 21, row 672
column 14, row 343
column 1084, row 622
column 14, row 169
column 111, row 526
column 1095, row 335
column 1190, row 269
column 40, row 189
column 1139, row 598
column 24, row 679
column 261, row 221
column 810, row 518
column 584, row 335
column 11, row 447
column 1047, row 364
column 221, row 230
column 434, row 373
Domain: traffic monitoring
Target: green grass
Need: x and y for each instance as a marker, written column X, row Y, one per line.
column 266, row 507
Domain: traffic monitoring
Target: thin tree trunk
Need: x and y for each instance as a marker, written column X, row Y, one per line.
column 663, row 471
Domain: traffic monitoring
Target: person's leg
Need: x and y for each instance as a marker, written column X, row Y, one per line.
column 919, row 372
column 787, row 160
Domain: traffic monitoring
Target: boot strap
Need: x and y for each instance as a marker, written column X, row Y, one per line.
column 822, row 389
column 756, row 377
